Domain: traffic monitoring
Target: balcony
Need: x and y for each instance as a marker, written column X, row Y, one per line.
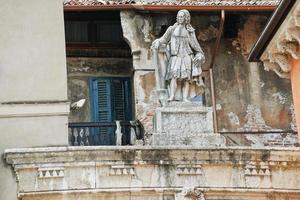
column 105, row 133
column 156, row 173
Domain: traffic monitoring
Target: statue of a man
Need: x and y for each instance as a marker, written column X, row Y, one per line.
column 184, row 56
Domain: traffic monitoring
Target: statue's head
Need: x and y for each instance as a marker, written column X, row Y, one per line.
column 181, row 17
column 187, row 16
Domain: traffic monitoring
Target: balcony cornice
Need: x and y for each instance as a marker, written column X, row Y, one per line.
column 119, row 172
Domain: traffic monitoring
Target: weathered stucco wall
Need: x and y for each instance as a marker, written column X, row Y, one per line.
column 33, row 81
column 134, row 173
column 81, row 69
column 248, row 98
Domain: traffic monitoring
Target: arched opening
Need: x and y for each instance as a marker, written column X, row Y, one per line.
column 99, row 68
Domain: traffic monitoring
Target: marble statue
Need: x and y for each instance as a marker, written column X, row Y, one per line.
column 182, row 58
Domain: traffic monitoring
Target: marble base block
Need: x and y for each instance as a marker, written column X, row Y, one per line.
column 180, row 123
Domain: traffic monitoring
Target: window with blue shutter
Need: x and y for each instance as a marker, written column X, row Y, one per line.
column 110, row 101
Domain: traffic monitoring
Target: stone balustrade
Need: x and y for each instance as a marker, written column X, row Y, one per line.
column 79, row 173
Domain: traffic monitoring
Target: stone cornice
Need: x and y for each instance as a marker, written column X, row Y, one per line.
column 158, row 155
column 118, row 172
column 284, row 45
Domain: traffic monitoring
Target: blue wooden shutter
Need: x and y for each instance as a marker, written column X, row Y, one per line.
column 127, row 101
column 101, row 100
column 101, row 110
column 118, row 100
column 104, row 100
column 110, row 101
column 121, row 95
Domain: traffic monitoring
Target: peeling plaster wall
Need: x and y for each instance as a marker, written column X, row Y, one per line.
column 32, row 80
column 248, row 98
column 81, row 69
column 145, row 100
column 139, row 30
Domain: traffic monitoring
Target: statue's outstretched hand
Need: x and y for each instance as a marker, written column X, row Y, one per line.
column 155, row 44
column 199, row 58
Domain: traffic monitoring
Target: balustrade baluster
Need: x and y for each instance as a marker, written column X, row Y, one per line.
column 75, row 133
column 81, row 134
column 87, row 135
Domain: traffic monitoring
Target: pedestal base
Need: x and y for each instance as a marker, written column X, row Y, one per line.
column 198, row 140
column 181, row 123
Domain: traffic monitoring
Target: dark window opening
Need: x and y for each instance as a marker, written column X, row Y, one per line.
column 76, row 31
column 95, row 29
column 235, row 21
column 231, row 26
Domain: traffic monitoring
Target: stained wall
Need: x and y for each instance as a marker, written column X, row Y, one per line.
column 33, row 80
column 248, row 99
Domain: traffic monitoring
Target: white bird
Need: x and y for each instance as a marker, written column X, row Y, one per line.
column 78, row 104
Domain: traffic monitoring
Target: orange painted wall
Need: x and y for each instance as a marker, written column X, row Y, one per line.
column 295, row 81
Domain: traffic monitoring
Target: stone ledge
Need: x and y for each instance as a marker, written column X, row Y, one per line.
column 103, row 155
column 127, row 193
column 154, row 171
column 161, row 155
column 34, row 110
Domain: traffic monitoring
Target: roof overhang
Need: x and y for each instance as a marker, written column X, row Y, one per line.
column 280, row 40
column 168, row 8
column 277, row 19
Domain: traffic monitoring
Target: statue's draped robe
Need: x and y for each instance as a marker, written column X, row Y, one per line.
column 182, row 47
column 183, row 44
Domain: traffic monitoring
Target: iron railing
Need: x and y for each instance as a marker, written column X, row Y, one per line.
column 104, row 133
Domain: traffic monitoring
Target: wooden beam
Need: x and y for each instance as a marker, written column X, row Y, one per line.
column 170, row 8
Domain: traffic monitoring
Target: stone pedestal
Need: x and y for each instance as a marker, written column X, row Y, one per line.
column 181, row 123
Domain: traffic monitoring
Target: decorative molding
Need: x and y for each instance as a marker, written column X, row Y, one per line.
column 189, row 170
column 257, row 169
column 190, row 194
column 283, row 47
column 276, row 68
column 104, row 154
column 53, row 172
column 17, row 175
column 163, row 170
column 120, row 170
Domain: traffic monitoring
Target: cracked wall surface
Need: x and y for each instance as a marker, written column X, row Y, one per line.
column 248, row 98
column 81, row 70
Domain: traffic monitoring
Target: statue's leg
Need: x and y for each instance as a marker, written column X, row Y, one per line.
column 186, row 90
column 173, row 87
